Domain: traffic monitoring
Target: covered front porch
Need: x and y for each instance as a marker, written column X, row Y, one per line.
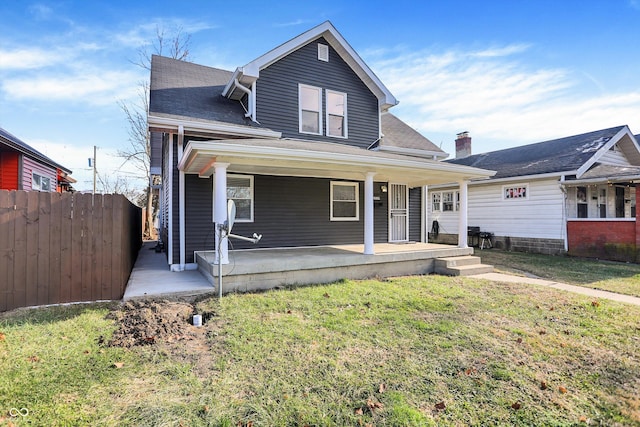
column 262, row 269
column 289, row 193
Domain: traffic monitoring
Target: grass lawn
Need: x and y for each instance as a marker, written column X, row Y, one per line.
column 411, row 351
column 623, row 278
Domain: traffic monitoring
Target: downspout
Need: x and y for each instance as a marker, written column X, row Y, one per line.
column 565, row 225
column 250, row 100
column 181, row 200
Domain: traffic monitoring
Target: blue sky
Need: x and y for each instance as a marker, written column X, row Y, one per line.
column 509, row 72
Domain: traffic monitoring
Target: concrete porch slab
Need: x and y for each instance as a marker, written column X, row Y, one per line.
column 261, row 269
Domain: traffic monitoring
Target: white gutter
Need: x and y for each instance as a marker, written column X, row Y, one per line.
column 435, row 155
column 170, row 203
column 168, row 124
column 565, row 233
column 506, row 179
column 249, row 93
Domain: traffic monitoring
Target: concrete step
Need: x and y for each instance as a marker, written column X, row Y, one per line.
column 461, row 266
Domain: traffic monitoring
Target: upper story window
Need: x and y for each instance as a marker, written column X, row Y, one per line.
column 41, row 183
column 310, row 110
column 310, row 102
column 336, row 114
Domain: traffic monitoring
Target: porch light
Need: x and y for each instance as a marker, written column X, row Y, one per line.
column 383, row 188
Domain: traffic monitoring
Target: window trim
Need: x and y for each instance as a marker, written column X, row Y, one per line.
column 438, row 206
column 524, row 186
column 41, row 177
column 300, row 110
column 356, row 186
column 345, row 129
column 252, row 190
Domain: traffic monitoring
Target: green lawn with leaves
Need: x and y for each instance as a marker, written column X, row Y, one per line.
column 620, row 277
column 413, row 351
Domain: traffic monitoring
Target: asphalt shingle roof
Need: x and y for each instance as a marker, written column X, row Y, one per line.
column 183, row 89
column 16, row 143
column 557, row 155
column 399, row 134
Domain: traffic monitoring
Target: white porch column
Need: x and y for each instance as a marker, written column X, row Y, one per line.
column 424, row 219
column 462, row 218
column 181, row 202
column 368, row 214
column 220, row 210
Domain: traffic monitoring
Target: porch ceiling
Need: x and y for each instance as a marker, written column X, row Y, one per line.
column 321, row 160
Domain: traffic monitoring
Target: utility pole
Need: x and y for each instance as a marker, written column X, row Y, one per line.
column 94, row 169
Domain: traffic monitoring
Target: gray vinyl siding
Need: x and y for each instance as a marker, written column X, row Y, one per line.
column 198, row 210
column 415, row 202
column 277, row 95
column 288, row 212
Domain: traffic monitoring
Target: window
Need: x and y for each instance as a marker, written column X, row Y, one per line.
column 336, row 114
column 447, row 201
column 240, row 190
column 515, row 192
column 345, row 204
column 310, row 103
column 581, row 202
column 41, row 183
column 436, row 199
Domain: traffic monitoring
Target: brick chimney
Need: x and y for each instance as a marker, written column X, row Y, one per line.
column 463, row 145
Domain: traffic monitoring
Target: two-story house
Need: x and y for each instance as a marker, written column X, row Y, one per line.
column 24, row 168
column 301, row 139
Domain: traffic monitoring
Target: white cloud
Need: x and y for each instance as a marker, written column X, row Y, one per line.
column 29, row 58
column 502, row 101
column 97, row 87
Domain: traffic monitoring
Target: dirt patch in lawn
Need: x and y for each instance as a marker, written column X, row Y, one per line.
column 169, row 326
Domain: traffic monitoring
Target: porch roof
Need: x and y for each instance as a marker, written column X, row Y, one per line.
column 287, row 157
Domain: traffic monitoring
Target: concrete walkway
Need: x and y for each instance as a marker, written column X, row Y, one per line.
column 151, row 277
column 595, row 293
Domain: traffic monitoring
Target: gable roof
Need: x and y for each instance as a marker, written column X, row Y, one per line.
column 250, row 72
column 191, row 95
column 576, row 154
column 401, row 138
column 17, row 144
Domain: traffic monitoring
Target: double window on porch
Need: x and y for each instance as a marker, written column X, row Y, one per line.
column 603, row 201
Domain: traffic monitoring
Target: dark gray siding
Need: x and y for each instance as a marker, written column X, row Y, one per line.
column 277, row 95
column 295, row 212
column 199, row 210
column 415, row 201
column 287, row 212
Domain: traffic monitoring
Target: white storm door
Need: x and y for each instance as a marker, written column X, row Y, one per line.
column 398, row 213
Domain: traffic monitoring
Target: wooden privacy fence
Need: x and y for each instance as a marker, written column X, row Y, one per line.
column 58, row 248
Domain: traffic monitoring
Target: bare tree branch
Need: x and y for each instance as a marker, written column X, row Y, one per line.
column 138, row 153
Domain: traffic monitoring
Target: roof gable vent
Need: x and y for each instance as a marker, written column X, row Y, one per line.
column 323, row 52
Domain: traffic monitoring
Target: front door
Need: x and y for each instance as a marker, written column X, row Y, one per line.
column 398, row 213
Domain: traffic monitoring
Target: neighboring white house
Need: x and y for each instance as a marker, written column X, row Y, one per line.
column 573, row 194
